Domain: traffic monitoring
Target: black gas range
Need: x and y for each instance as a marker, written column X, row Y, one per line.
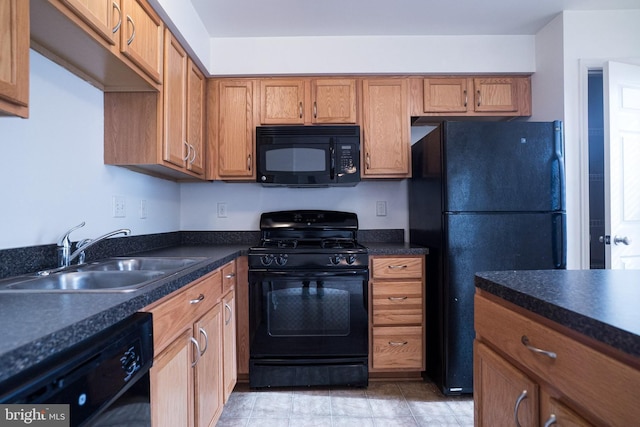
column 308, row 301
column 308, row 240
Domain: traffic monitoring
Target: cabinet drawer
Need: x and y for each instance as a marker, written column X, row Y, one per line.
column 594, row 381
column 172, row 315
column 397, row 303
column 399, row 347
column 396, row 267
column 229, row 276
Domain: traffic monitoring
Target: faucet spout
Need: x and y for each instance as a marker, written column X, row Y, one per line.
column 64, row 246
column 87, row 243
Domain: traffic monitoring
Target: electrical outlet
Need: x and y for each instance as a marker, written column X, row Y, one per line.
column 222, row 210
column 381, row 208
column 119, row 207
column 143, row 209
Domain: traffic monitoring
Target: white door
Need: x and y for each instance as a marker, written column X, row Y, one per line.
column 622, row 164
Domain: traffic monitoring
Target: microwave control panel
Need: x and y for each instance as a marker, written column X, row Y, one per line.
column 347, row 158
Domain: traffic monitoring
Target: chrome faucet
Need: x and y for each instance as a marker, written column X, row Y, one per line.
column 64, row 245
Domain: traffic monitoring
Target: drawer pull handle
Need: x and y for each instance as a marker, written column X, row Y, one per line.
column 549, row 354
column 397, row 298
column 397, row 267
column 551, row 421
column 230, row 276
column 398, row 343
column 198, row 353
column 206, row 341
column 522, row 396
column 197, row 300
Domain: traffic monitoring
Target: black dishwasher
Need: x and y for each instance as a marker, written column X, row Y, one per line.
column 104, row 379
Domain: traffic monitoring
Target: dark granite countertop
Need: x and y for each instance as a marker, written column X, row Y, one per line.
column 601, row 304
column 35, row 326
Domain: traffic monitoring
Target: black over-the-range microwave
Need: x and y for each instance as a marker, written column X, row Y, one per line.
column 308, row 156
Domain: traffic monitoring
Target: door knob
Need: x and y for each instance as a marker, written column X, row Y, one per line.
column 624, row 240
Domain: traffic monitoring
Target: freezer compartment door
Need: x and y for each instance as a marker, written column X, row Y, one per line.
column 506, row 167
column 484, row 242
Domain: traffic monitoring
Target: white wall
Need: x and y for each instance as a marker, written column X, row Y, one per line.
column 566, row 42
column 367, row 55
column 245, row 202
column 52, row 170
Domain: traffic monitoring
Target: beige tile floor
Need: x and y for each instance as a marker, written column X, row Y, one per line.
column 387, row 404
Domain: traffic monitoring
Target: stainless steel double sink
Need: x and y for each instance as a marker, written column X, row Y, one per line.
column 120, row 274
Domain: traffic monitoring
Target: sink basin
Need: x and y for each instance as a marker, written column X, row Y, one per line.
column 122, row 274
column 97, row 281
column 140, row 263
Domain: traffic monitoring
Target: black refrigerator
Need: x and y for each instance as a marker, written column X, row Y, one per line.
column 484, row 196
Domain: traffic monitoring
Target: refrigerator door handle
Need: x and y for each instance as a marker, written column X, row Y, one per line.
column 558, row 240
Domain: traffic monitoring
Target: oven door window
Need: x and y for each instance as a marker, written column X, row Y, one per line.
column 309, row 309
column 308, row 316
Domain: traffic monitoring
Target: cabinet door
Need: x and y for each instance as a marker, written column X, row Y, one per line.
column 495, row 94
column 195, row 118
column 386, row 136
column 242, row 317
column 235, row 130
column 333, row 101
column 141, row 38
column 172, row 384
column 445, row 95
column 503, row 394
column 208, row 369
column 282, row 101
column 229, row 343
column 14, row 54
column 103, row 16
column 175, row 147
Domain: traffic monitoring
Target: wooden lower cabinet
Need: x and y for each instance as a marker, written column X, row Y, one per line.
column 529, row 371
column 187, row 373
column 208, row 388
column 172, row 384
column 396, row 319
column 230, row 371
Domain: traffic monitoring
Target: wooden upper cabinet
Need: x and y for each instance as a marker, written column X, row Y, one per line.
column 448, row 95
column 141, row 37
column 386, row 146
column 195, row 118
column 183, row 101
column 495, row 94
column 333, row 101
column 175, row 102
column 282, row 101
column 233, row 130
column 14, row 54
column 103, row 16
column 307, row 101
column 472, row 96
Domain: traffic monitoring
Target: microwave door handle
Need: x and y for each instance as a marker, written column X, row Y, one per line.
column 332, row 159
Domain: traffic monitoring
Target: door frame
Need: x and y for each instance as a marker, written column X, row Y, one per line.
column 585, row 66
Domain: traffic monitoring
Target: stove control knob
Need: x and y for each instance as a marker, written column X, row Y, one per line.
column 335, row 259
column 281, row 259
column 266, row 260
column 351, row 259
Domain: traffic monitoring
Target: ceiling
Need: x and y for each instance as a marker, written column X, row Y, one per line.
column 300, row 18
